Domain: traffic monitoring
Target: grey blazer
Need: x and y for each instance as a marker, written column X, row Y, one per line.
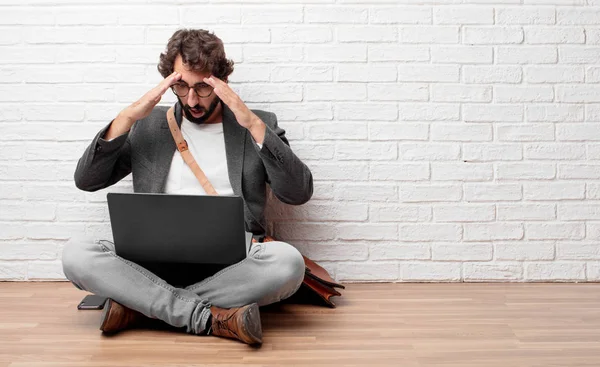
column 147, row 149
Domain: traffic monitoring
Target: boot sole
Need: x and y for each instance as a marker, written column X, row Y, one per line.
column 252, row 324
column 105, row 312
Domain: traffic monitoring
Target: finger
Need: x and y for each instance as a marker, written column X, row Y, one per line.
column 168, row 82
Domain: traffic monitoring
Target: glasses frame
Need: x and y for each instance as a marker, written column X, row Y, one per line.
column 194, row 88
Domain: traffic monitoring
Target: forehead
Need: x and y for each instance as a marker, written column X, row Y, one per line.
column 188, row 75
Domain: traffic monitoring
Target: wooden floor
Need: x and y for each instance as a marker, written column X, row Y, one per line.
column 450, row 324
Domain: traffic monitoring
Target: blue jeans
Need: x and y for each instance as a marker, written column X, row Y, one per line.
column 271, row 272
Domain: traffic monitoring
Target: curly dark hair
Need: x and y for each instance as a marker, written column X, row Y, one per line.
column 200, row 50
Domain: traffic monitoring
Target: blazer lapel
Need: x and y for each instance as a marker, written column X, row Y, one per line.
column 164, row 155
column 235, row 142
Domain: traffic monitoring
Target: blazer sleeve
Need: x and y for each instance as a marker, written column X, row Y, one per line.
column 104, row 162
column 290, row 179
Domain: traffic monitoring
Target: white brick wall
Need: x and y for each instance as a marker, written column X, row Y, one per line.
column 450, row 140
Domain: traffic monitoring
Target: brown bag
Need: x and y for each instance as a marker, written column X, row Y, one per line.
column 317, row 280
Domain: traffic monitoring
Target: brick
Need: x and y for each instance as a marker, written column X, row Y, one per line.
column 399, row 251
column 536, row 191
column 426, row 193
column 430, row 271
column 462, row 132
column 555, row 271
column 366, row 73
column 428, row 73
column 475, row 192
column 491, row 35
column 320, row 212
column 337, row 130
column 366, row 111
column 461, row 252
column 368, row 271
column 462, row 54
column 473, row 152
column 578, row 211
column 464, row 213
column 430, row 232
column 462, row 171
column 492, row 272
column 335, row 14
column 579, row 54
column 429, row 111
column 578, row 171
column 527, row 55
column 554, row 112
column 554, row 231
column 500, row 113
column 428, row 152
column 398, row 131
column 577, row 251
column 526, row 132
column 334, row 53
column 13, row 270
column 578, row 132
column 429, row 34
column 211, row 14
column 397, row 92
column 284, row 14
column 263, row 54
column 289, row 34
column 386, row 52
column 554, row 151
column 366, row 34
column 578, row 16
column 525, row 171
column 577, row 93
column 461, row 93
column 463, row 15
column 492, row 74
column 493, row 231
column 516, row 94
column 525, row 15
column 366, row 192
column 303, row 111
column 362, row 151
column 368, row 231
column 400, row 15
column 399, row 213
column 399, row 171
column 526, row 212
column 28, row 250
column 333, row 171
column 554, row 35
column 524, row 250
column 336, row 92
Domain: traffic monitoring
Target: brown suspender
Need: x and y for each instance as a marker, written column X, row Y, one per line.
column 186, row 155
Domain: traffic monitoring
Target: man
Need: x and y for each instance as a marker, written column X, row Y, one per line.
column 240, row 150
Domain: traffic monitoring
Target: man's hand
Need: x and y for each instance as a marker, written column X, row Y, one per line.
column 143, row 106
column 140, row 108
column 244, row 116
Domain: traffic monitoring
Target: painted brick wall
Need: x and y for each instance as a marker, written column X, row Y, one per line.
column 449, row 140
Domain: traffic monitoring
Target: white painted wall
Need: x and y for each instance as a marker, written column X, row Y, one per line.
column 449, row 140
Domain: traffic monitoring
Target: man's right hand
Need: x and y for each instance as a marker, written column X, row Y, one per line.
column 141, row 108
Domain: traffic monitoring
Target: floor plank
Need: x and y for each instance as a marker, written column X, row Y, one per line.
column 401, row 324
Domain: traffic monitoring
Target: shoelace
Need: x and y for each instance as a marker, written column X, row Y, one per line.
column 222, row 324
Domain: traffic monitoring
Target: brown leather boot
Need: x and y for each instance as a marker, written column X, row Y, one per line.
column 242, row 323
column 117, row 317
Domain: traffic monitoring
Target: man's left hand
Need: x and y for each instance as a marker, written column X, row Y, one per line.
column 244, row 116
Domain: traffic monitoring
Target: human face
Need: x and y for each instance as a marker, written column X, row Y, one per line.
column 195, row 109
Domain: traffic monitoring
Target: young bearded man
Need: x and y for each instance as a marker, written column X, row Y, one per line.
column 240, row 150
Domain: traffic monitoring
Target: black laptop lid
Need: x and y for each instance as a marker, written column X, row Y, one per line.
column 166, row 228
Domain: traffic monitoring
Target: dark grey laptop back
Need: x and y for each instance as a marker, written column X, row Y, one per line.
column 161, row 228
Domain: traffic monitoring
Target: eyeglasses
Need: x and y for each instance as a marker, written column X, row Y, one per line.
column 202, row 90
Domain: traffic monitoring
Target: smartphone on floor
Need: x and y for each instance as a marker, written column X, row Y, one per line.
column 91, row 302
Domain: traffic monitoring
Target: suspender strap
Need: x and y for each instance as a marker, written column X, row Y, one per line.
column 186, row 155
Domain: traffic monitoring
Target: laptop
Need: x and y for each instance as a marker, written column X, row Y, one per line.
column 179, row 229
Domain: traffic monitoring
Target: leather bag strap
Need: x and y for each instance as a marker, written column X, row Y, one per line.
column 182, row 146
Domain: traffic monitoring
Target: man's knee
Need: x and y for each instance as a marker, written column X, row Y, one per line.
column 290, row 264
column 76, row 257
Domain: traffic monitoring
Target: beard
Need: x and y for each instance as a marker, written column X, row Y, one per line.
column 199, row 108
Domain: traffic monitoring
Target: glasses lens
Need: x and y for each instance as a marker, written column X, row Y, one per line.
column 203, row 90
column 180, row 89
